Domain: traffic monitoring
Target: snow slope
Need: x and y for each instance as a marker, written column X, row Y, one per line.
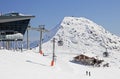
column 31, row 65
column 79, row 35
column 76, row 31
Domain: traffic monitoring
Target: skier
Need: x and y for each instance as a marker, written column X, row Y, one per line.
column 89, row 73
column 86, row 72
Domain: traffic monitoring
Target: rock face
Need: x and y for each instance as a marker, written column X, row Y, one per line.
column 84, row 35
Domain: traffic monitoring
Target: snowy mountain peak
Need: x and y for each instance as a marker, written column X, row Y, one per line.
column 77, row 20
column 84, row 35
column 82, row 23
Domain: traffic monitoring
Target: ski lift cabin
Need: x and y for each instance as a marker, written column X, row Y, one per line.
column 60, row 43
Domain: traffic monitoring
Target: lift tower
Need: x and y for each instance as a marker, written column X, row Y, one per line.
column 41, row 29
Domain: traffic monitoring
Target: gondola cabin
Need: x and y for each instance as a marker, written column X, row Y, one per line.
column 60, row 43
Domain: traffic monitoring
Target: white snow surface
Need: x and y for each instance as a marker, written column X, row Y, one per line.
column 84, row 35
column 79, row 36
column 14, row 36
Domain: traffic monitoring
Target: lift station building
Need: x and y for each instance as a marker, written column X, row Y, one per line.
column 13, row 26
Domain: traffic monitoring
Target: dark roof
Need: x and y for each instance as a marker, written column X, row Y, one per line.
column 9, row 17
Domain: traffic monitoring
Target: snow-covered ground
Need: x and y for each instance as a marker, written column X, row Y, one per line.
column 32, row 65
column 79, row 36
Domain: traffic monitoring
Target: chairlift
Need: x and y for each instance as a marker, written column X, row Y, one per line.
column 60, row 43
column 105, row 54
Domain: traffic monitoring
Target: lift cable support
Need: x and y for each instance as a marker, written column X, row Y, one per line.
column 41, row 29
column 53, row 57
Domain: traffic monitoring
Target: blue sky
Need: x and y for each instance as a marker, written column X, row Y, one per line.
column 51, row 12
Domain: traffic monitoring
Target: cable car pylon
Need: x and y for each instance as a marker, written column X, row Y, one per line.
column 53, row 57
column 41, row 29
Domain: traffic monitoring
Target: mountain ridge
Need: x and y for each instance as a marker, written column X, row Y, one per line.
column 80, row 30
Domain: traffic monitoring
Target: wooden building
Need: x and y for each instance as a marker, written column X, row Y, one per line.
column 86, row 60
